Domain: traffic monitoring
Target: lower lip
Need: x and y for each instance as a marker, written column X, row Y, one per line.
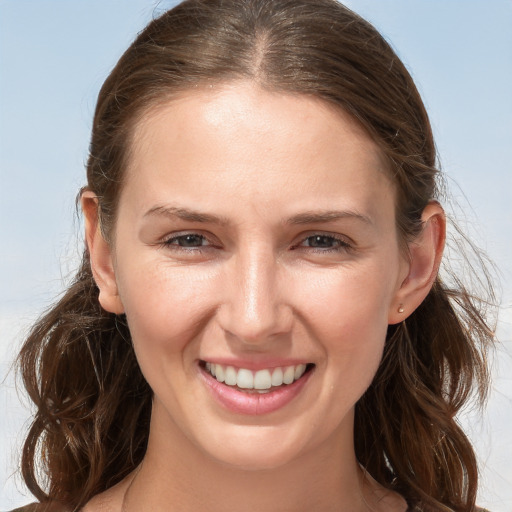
column 254, row 403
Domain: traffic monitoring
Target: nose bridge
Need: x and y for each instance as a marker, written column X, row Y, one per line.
column 255, row 306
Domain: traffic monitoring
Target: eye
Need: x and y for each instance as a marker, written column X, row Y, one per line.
column 322, row 242
column 187, row 240
column 190, row 246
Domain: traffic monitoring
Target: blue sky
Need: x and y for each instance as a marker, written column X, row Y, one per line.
column 54, row 55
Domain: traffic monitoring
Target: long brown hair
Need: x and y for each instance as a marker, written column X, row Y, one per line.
column 93, row 404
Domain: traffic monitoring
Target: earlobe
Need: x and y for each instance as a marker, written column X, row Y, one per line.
column 100, row 256
column 425, row 253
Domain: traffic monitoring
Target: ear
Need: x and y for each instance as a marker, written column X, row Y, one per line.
column 425, row 253
column 100, row 256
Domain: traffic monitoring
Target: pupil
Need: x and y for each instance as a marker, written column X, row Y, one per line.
column 190, row 241
column 320, row 241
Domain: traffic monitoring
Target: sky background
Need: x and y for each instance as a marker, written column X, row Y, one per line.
column 54, row 56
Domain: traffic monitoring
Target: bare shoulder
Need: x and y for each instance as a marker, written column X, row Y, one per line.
column 42, row 507
column 110, row 500
column 27, row 508
column 419, row 508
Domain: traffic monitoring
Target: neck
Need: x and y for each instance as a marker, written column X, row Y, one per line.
column 177, row 475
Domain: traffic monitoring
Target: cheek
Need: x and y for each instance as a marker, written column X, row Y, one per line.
column 349, row 304
column 347, row 313
column 165, row 306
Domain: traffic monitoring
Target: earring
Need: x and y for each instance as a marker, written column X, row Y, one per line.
column 400, row 308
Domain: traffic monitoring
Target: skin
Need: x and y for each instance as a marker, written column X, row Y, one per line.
column 261, row 169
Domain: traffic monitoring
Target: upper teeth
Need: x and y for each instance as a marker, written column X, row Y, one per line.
column 261, row 379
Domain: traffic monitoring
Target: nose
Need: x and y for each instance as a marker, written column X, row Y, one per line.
column 255, row 307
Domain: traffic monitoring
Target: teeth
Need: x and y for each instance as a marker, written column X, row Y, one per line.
column 219, row 373
column 299, row 371
column 230, row 375
column 245, row 379
column 289, row 375
column 277, row 377
column 259, row 380
column 262, row 379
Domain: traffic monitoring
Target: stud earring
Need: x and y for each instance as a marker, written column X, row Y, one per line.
column 400, row 308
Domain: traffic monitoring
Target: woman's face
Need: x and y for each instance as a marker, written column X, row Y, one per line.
column 256, row 240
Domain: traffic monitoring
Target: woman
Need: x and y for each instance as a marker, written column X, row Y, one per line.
column 258, row 323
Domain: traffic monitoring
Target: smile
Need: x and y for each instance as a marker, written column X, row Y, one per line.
column 261, row 381
column 254, row 392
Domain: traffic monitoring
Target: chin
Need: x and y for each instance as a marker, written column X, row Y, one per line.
column 254, row 460
column 261, row 449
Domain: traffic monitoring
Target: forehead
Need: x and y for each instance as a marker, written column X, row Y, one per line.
column 241, row 139
column 222, row 106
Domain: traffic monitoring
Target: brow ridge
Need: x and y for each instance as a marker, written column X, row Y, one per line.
column 316, row 217
column 186, row 214
column 308, row 217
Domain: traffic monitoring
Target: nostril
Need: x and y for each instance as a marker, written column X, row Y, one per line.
column 253, row 327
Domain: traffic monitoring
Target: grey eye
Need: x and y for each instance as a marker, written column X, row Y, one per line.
column 188, row 240
column 321, row 241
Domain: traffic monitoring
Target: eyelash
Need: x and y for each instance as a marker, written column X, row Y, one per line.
column 341, row 244
column 173, row 242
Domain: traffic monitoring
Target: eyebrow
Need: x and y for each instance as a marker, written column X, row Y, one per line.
column 316, row 217
column 186, row 215
column 308, row 217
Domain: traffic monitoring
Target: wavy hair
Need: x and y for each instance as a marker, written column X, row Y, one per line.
column 78, row 365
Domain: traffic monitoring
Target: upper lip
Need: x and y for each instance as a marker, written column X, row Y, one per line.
column 255, row 365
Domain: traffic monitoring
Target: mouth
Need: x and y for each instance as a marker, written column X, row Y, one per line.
column 263, row 381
